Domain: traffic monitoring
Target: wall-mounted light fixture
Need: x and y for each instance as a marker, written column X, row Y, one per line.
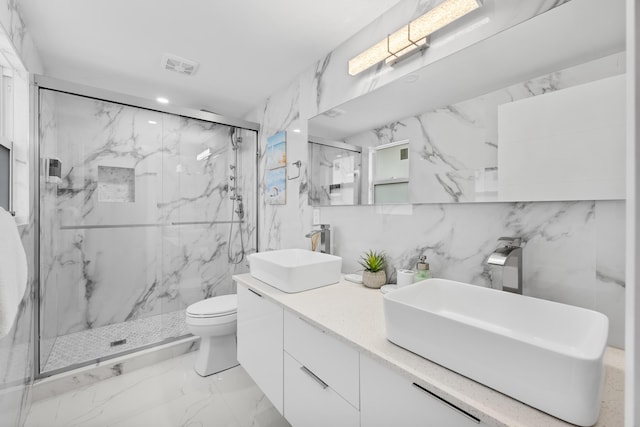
column 412, row 37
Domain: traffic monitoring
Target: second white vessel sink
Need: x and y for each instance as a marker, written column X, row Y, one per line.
column 295, row 270
column 545, row 354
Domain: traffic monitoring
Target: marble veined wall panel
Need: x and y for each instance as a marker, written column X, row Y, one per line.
column 198, row 249
column 196, row 170
column 106, row 276
column 17, row 348
column 93, row 134
column 569, row 251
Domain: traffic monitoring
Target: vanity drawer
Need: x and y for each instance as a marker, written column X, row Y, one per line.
column 310, row 402
column 389, row 399
column 330, row 359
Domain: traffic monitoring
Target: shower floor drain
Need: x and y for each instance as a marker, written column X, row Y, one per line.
column 118, row 342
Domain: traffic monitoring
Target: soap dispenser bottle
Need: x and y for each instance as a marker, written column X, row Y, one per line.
column 422, row 269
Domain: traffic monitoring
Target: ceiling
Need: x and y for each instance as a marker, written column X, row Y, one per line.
column 247, row 49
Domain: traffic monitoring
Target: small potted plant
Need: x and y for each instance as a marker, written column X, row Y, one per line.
column 374, row 275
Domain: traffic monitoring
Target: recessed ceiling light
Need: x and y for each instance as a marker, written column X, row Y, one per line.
column 296, row 130
column 162, row 100
column 152, row 122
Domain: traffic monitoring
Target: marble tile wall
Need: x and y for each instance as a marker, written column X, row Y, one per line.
column 157, row 251
column 570, row 246
column 17, row 352
column 17, row 348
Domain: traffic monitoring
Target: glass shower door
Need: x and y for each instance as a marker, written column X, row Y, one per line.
column 142, row 213
column 209, row 207
column 100, row 231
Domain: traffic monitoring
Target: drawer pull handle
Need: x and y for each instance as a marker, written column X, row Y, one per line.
column 254, row 292
column 311, row 324
column 450, row 405
column 314, row 376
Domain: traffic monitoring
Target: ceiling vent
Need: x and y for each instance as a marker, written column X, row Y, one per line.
column 179, row 65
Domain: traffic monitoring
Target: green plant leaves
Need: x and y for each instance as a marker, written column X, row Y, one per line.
column 372, row 261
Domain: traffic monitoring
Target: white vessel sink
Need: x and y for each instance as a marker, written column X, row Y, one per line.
column 295, row 270
column 545, row 354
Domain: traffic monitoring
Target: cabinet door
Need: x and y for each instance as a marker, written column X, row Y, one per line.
column 309, row 402
column 388, row 399
column 260, row 341
column 332, row 360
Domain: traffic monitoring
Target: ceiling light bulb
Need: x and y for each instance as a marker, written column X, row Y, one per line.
column 152, row 122
column 162, row 100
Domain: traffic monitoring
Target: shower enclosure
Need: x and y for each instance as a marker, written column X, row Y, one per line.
column 142, row 212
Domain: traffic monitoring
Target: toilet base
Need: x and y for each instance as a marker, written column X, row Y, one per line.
column 216, row 354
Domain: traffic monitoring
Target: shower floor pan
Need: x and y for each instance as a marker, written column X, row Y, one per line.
column 96, row 344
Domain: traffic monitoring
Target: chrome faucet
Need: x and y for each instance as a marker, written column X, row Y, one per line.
column 509, row 256
column 325, row 238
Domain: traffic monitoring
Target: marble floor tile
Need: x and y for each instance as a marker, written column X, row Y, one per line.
column 247, row 402
column 168, row 394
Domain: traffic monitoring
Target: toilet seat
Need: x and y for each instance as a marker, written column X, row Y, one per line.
column 224, row 305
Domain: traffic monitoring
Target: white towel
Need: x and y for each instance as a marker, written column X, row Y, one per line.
column 13, row 271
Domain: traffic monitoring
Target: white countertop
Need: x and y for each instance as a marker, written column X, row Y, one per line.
column 354, row 314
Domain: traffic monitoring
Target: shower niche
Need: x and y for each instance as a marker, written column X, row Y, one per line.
column 140, row 224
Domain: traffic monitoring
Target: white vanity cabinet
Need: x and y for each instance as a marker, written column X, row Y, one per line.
column 321, row 377
column 389, row 399
column 260, row 342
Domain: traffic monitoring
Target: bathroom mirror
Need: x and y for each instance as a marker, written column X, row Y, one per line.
column 532, row 113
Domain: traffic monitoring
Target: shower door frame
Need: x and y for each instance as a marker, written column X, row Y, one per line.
column 38, row 82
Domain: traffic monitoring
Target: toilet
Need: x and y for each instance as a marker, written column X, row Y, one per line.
column 214, row 320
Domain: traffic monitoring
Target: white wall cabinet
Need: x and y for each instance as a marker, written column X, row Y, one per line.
column 389, row 399
column 260, row 343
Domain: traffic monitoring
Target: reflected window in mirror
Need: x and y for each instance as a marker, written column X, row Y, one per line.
column 390, row 183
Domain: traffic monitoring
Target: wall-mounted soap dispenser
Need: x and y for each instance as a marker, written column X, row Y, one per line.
column 422, row 269
column 53, row 170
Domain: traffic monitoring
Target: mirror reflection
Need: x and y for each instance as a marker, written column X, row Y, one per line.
column 334, row 173
column 527, row 124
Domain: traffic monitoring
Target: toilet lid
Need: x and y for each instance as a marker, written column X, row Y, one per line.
column 213, row 307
